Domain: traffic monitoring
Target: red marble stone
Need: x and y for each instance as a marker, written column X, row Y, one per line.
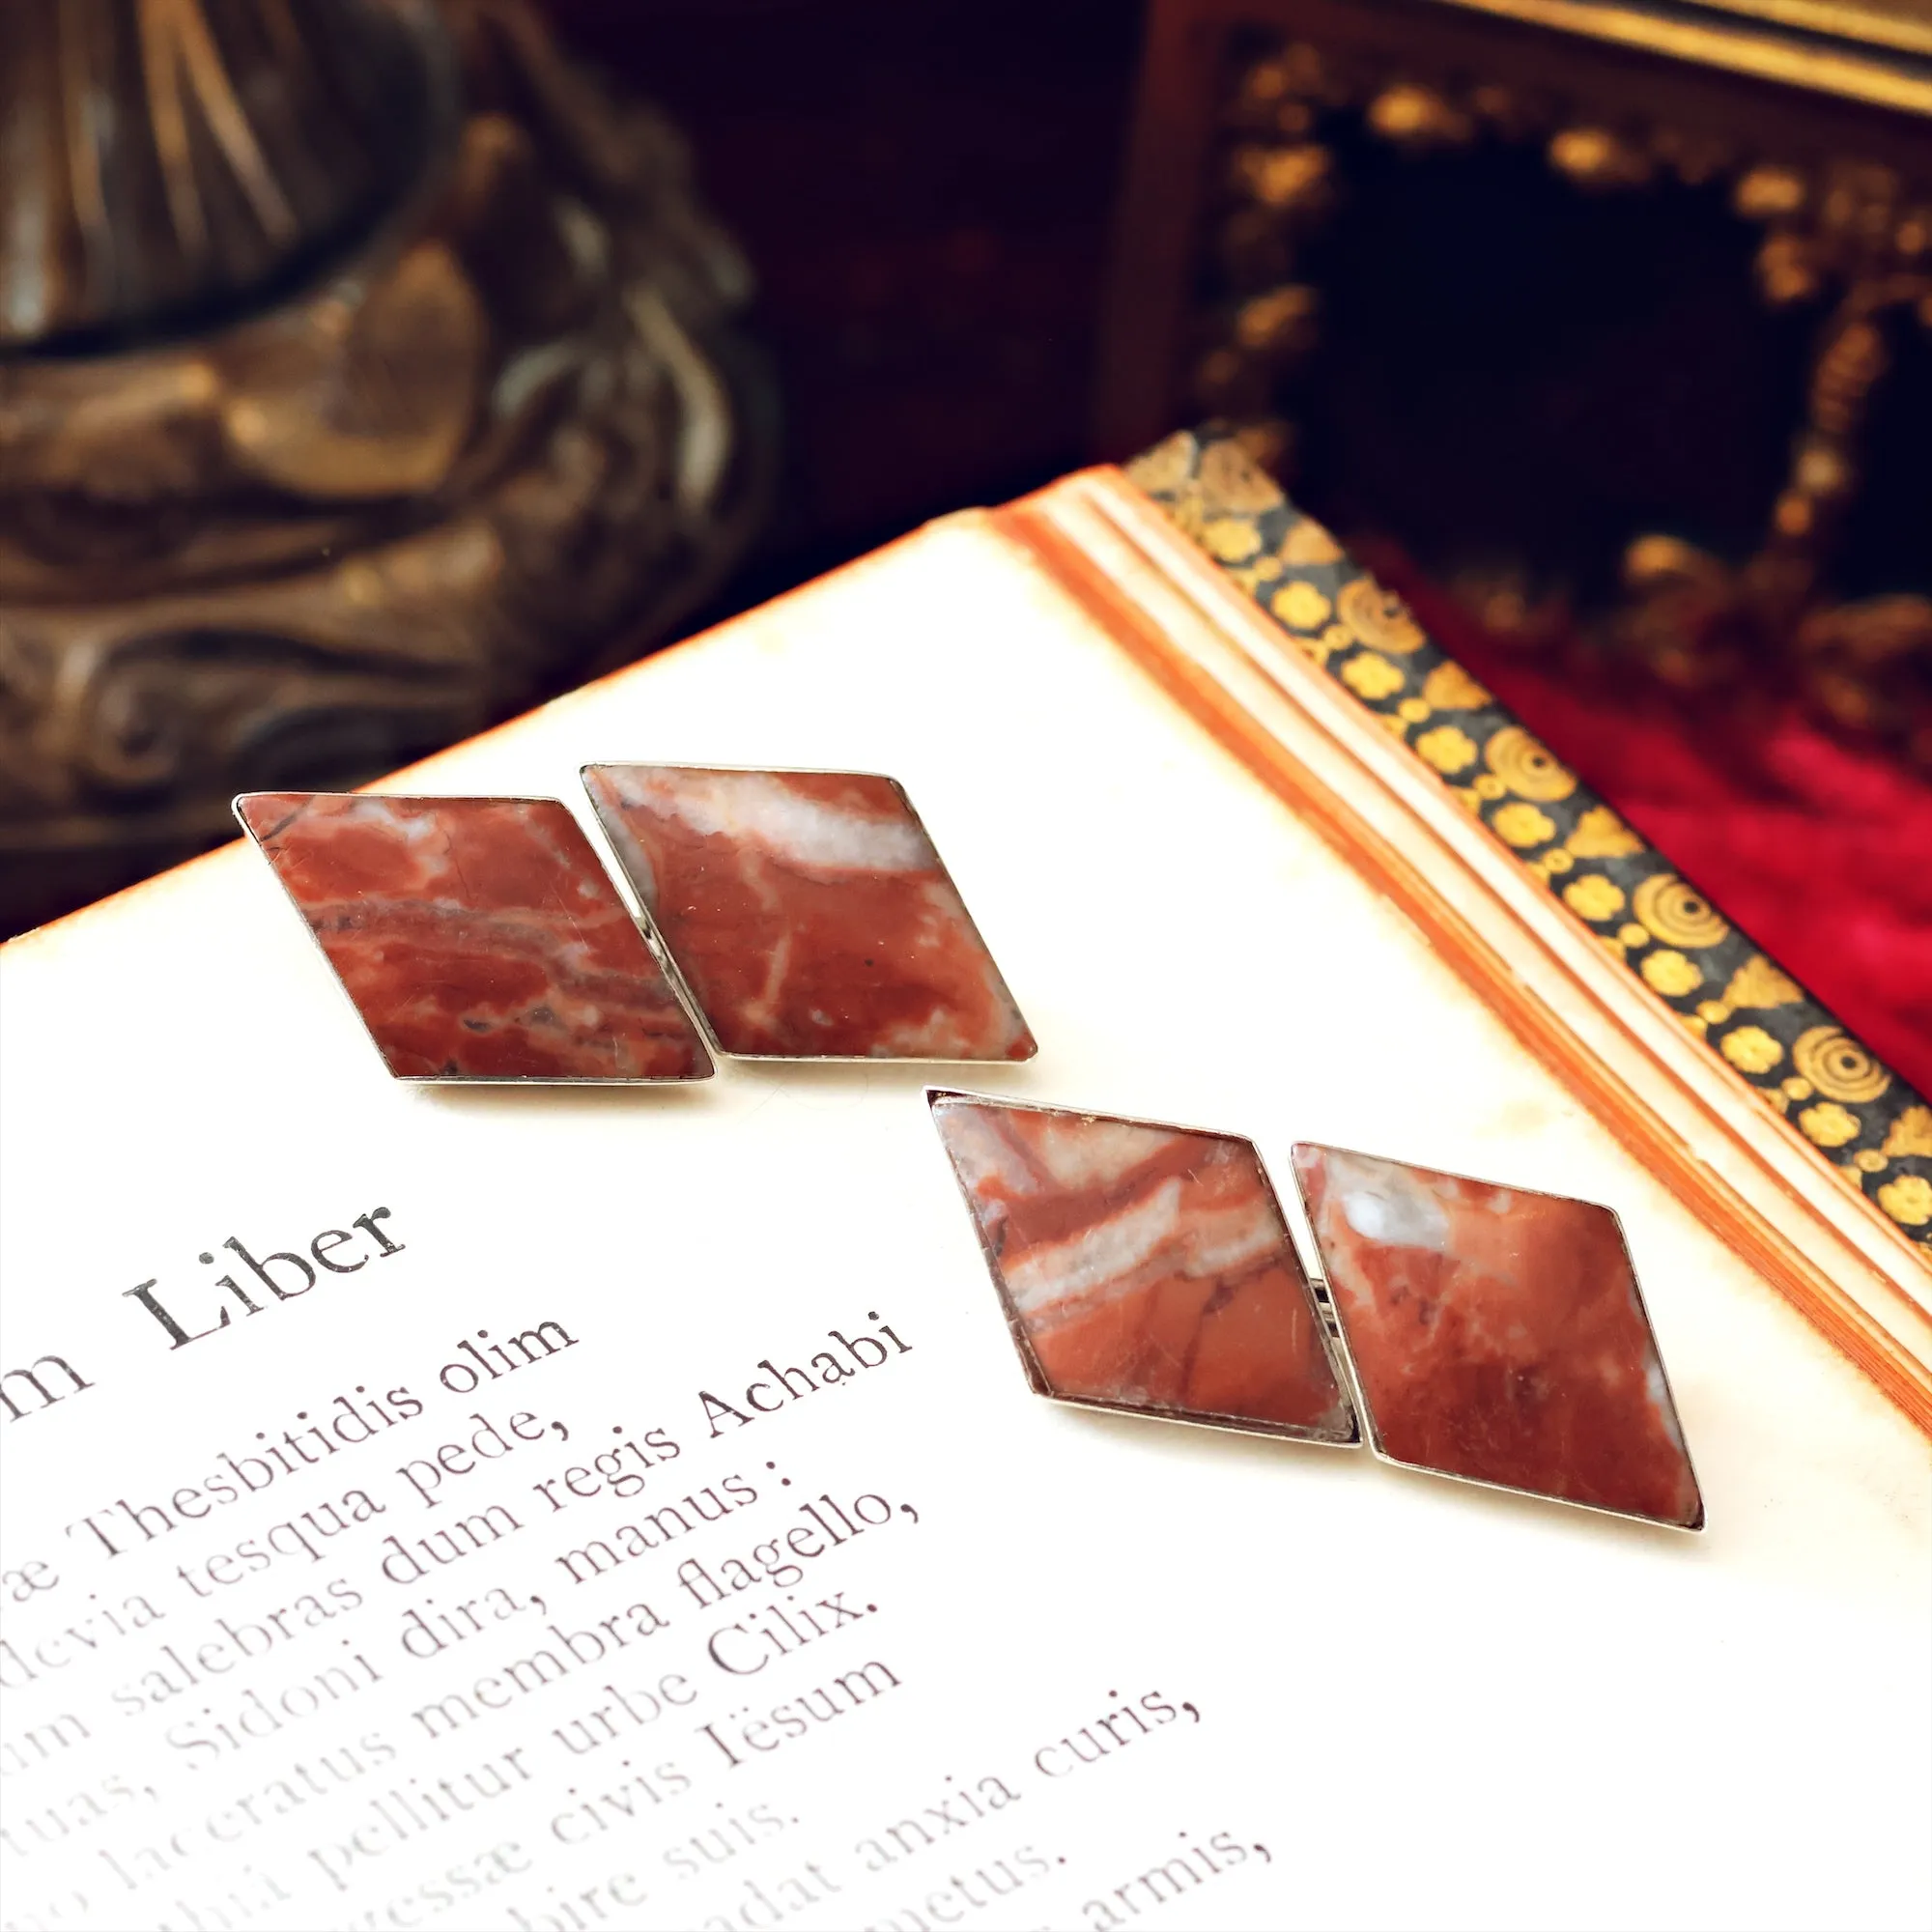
column 1146, row 1268
column 809, row 912
column 478, row 937
column 1498, row 1335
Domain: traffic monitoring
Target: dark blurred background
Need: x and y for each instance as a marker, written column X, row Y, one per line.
column 371, row 369
column 925, row 193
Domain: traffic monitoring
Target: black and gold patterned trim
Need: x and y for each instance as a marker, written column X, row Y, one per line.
column 1828, row 1087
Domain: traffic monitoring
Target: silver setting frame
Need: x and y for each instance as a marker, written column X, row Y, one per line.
column 1023, row 1346
column 645, row 932
column 1365, row 1409
column 613, row 836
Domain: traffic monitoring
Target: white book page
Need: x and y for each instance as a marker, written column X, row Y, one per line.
column 300, row 1631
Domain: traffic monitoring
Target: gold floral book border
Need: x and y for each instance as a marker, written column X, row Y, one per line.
column 1800, row 1061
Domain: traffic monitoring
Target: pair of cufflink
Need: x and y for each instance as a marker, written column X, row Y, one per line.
column 786, row 915
column 1482, row 1332
column 1477, row 1331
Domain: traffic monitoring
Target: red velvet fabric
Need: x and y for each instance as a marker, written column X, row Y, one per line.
column 1820, row 849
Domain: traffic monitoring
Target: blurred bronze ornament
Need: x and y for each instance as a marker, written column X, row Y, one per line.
column 1594, row 157
column 366, row 371
column 1420, row 117
column 1849, row 234
column 165, row 157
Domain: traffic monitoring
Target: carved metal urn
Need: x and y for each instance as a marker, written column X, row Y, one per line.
column 367, row 370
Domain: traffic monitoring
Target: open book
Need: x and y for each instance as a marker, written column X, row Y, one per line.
column 622, row 1506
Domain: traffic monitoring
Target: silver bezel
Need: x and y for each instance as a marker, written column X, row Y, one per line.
column 642, row 913
column 1015, row 1328
column 645, row 932
column 1365, row 1409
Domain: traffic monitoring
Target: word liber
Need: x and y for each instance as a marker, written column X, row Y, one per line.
column 283, row 1275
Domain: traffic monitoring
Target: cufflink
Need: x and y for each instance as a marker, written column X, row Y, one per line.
column 478, row 938
column 1486, row 1333
column 808, row 913
column 1146, row 1268
column 1498, row 1335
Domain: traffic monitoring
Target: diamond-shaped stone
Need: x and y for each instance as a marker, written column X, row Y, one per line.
column 478, row 937
column 1145, row 1267
column 809, row 912
column 1498, row 1335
